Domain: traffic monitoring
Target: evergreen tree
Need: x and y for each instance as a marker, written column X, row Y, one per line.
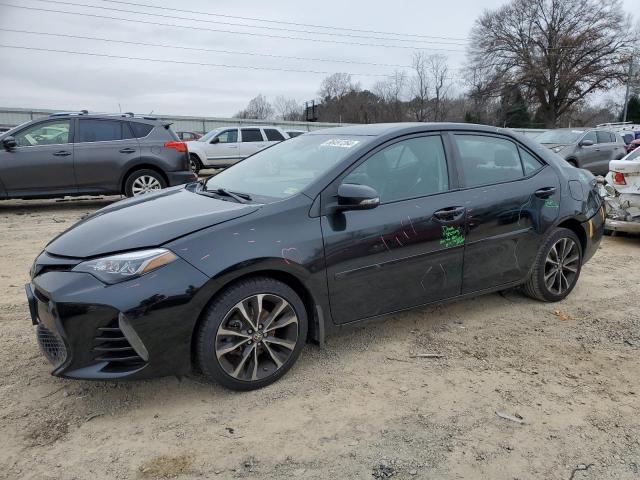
column 513, row 111
column 633, row 109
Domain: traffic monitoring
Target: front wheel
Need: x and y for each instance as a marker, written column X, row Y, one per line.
column 143, row 181
column 557, row 267
column 252, row 334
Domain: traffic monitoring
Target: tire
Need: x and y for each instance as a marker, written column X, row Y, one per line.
column 196, row 164
column 537, row 286
column 227, row 345
column 136, row 181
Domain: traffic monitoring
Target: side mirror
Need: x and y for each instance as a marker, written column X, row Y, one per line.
column 586, row 143
column 352, row 196
column 215, row 140
column 9, row 143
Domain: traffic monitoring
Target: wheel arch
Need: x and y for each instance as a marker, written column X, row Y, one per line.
column 315, row 330
column 142, row 166
column 576, row 227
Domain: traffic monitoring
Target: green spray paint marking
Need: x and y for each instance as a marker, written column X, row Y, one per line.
column 451, row 237
column 551, row 204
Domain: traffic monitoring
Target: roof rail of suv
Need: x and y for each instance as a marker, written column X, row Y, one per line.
column 66, row 114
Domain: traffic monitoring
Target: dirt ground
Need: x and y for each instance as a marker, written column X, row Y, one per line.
column 361, row 407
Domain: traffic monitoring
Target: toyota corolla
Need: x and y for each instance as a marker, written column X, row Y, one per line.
column 233, row 275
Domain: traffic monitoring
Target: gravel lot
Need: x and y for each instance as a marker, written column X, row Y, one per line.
column 359, row 408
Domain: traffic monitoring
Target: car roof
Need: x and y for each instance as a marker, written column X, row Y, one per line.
column 380, row 129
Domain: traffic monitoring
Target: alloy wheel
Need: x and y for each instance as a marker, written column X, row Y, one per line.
column 145, row 184
column 257, row 337
column 561, row 266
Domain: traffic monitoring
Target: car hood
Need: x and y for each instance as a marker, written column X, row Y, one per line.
column 145, row 221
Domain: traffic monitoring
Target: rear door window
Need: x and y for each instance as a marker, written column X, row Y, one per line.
column 99, row 130
column 252, row 135
column 273, row 135
column 486, row 160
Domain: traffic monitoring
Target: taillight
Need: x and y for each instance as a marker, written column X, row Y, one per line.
column 179, row 146
column 618, row 178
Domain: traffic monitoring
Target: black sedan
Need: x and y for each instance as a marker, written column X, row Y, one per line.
column 235, row 274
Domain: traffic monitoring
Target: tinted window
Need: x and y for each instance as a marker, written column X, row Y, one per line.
column 488, row 160
column 529, row 163
column 50, row 133
column 591, row 136
column 408, row 169
column 628, row 137
column 141, row 129
column 273, row 135
column 228, row 136
column 99, row 130
column 603, row 137
column 251, row 135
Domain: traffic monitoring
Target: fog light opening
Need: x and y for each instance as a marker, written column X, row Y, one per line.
column 132, row 337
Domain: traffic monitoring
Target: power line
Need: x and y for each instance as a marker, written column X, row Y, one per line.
column 211, row 50
column 173, row 17
column 146, row 22
column 184, row 62
column 281, row 22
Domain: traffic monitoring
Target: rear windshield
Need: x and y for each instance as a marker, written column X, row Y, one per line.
column 560, row 136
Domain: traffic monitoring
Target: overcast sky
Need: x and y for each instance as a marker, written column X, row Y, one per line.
column 39, row 79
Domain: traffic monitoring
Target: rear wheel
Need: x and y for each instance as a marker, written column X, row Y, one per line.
column 196, row 164
column 143, row 181
column 557, row 267
column 252, row 334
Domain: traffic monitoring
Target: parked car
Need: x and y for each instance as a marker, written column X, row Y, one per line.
column 222, row 147
column 82, row 154
column 585, row 148
column 621, row 194
column 320, row 232
column 188, row 136
column 632, row 145
column 295, row 133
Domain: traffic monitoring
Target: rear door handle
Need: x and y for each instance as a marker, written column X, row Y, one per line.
column 545, row 192
column 128, row 150
column 62, row 153
column 449, row 214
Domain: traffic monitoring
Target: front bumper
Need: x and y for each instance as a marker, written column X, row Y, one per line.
column 135, row 329
column 180, row 178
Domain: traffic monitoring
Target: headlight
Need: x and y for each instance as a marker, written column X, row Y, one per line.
column 125, row 266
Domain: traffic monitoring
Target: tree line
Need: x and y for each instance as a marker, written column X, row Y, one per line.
column 530, row 63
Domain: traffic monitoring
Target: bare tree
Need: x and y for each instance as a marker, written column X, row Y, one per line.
column 337, row 86
column 560, row 50
column 258, row 108
column 287, row 108
column 392, row 91
column 440, row 80
column 419, row 87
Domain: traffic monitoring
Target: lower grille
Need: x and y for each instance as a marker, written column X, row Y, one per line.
column 110, row 345
column 51, row 345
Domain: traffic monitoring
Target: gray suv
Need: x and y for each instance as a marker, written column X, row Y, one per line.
column 83, row 154
column 585, row 148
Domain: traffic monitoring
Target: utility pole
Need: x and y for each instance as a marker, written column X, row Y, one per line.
column 626, row 96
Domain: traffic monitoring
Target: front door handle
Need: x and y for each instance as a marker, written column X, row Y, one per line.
column 232, row 146
column 545, row 192
column 62, row 153
column 449, row 214
column 128, row 150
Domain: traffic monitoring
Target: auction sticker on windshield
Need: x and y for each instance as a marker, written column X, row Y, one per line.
column 340, row 143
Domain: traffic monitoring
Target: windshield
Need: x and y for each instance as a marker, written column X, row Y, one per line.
column 288, row 167
column 634, row 155
column 210, row 135
column 560, row 136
